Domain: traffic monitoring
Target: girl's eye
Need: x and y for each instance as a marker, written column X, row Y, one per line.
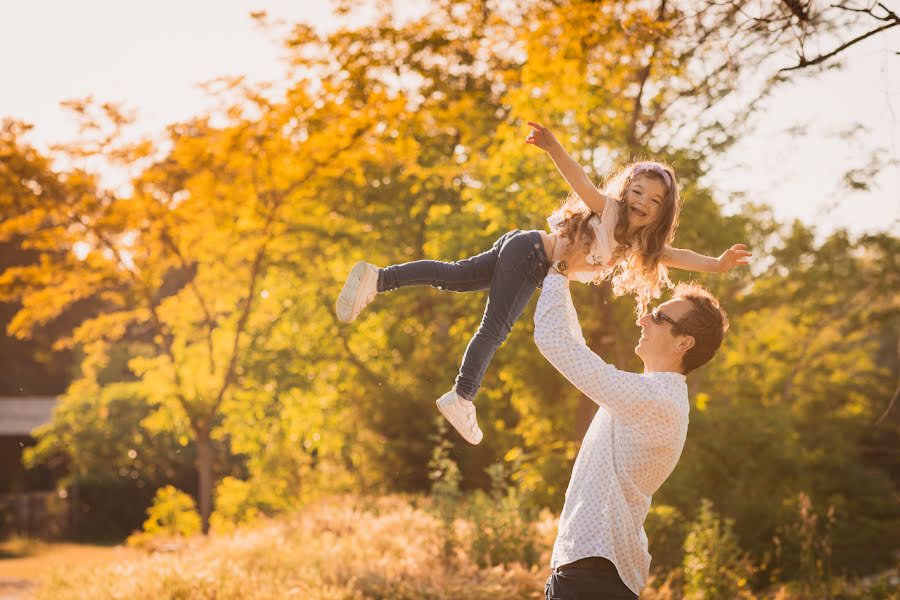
column 656, row 201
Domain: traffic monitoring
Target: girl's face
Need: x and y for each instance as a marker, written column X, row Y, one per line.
column 644, row 198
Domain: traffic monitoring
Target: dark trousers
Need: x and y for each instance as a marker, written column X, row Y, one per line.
column 591, row 578
column 511, row 270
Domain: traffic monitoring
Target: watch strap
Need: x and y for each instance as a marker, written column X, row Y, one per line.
column 561, row 266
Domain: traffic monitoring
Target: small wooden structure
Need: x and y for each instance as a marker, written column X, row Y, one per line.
column 29, row 502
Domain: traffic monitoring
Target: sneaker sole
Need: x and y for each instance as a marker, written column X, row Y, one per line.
column 346, row 302
column 459, row 429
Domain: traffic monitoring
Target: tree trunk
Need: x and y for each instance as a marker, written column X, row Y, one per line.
column 204, row 473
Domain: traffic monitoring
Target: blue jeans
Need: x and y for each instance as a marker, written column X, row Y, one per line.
column 511, row 270
column 575, row 582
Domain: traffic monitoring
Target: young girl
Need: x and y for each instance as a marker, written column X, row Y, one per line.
column 622, row 232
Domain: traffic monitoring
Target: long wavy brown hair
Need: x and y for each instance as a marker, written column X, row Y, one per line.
column 637, row 254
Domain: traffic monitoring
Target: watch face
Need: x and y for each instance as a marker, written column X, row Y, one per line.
column 562, row 266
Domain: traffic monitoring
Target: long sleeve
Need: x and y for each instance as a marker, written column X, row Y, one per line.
column 558, row 336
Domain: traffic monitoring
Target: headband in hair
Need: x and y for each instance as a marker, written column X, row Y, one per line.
column 656, row 169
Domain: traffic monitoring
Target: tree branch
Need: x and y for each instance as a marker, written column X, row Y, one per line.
column 207, row 315
column 643, row 76
column 808, row 63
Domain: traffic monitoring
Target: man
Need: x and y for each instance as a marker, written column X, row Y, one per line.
column 634, row 440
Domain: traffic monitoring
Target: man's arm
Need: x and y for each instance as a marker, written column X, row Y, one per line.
column 558, row 337
column 568, row 167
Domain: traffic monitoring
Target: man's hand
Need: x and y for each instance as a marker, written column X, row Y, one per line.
column 734, row 256
column 559, row 247
column 573, row 254
column 542, row 137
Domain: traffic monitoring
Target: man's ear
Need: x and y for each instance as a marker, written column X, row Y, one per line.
column 686, row 342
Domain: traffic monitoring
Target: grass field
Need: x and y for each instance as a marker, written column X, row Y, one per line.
column 24, row 564
column 346, row 548
column 342, row 548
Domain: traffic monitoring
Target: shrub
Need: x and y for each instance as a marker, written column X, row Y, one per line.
column 666, row 529
column 241, row 502
column 445, row 477
column 715, row 568
column 172, row 514
column 503, row 530
column 804, row 546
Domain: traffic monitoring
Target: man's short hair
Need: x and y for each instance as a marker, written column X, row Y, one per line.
column 706, row 323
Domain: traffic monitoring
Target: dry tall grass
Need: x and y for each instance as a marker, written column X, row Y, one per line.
column 355, row 548
column 346, row 548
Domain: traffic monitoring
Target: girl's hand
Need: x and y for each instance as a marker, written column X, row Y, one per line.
column 541, row 137
column 734, row 256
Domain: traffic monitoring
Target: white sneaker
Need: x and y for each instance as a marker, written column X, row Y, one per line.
column 360, row 288
column 461, row 414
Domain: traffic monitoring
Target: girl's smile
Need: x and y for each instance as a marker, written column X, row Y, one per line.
column 644, row 198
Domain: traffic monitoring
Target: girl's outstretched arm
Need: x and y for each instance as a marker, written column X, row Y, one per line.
column 678, row 258
column 571, row 171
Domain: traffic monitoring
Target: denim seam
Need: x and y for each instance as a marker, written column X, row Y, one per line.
column 525, row 281
column 509, row 325
column 434, row 283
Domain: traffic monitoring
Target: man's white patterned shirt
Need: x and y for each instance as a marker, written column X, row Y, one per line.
column 630, row 448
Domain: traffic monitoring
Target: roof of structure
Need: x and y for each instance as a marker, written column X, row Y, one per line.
column 21, row 414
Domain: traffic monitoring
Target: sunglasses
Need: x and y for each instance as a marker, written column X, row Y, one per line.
column 658, row 315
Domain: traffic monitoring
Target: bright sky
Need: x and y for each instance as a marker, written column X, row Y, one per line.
column 151, row 56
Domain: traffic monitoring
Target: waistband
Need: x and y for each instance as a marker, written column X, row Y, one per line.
column 597, row 564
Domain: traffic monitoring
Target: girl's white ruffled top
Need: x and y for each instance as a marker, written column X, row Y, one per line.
column 601, row 250
column 631, row 446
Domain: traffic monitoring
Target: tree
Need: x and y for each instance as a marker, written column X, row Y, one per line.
column 183, row 263
column 29, row 367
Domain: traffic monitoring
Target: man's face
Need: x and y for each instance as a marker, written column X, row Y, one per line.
column 657, row 342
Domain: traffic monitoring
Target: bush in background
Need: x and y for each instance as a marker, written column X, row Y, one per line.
column 666, row 531
column 173, row 514
column 503, row 529
column 443, row 472
column 715, row 567
column 240, row 502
